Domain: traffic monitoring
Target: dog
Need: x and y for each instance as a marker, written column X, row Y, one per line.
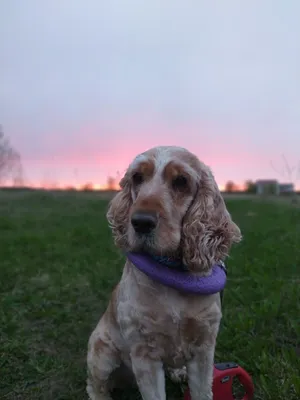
column 169, row 205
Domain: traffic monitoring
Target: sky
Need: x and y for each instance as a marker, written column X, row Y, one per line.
column 87, row 85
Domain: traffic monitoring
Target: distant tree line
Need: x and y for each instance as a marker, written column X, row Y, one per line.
column 249, row 187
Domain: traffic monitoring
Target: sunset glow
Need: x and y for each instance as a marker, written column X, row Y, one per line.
column 96, row 169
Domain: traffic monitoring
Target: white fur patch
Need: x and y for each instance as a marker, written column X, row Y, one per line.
column 139, row 159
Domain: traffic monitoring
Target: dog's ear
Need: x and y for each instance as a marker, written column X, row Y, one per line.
column 208, row 230
column 118, row 213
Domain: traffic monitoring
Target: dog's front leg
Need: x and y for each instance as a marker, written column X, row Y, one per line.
column 149, row 375
column 200, row 374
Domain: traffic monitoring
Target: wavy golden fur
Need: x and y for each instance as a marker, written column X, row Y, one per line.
column 148, row 326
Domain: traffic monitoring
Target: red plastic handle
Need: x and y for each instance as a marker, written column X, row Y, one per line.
column 223, row 379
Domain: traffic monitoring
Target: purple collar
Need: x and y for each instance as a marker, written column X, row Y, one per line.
column 182, row 281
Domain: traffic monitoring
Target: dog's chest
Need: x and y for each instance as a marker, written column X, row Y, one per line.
column 166, row 324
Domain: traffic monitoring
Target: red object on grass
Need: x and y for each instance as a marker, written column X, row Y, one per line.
column 223, row 379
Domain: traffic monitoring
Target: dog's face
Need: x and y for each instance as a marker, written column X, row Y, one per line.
column 163, row 184
column 170, row 205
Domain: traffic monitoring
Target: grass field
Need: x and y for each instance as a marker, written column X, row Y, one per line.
column 58, row 267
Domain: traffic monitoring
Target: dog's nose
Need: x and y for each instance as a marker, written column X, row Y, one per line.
column 144, row 222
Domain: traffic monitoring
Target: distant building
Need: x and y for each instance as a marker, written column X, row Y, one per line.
column 286, row 188
column 267, row 186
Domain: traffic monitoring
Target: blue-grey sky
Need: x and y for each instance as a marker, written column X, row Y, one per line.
column 85, row 85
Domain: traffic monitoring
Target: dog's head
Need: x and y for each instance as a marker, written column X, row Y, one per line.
column 170, row 205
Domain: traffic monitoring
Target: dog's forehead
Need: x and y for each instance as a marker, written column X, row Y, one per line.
column 162, row 155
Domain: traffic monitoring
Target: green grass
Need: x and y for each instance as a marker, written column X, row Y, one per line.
column 59, row 265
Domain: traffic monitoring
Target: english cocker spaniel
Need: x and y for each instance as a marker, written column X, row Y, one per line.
column 171, row 217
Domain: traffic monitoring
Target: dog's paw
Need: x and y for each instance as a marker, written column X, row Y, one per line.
column 177, row 375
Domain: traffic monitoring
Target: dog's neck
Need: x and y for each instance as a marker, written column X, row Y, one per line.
column 171, row 262
column 180, row 280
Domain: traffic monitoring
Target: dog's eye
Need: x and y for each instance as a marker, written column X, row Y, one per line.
column 137, row 178
column 180, row 182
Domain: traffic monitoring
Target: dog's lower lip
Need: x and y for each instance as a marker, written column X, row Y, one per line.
column 144, row 246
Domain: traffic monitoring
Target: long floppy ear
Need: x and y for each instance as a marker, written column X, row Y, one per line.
column 208, row 230
column 118, row 213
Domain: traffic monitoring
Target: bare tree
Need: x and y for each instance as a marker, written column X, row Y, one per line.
column 87, row 187
column 230, row 187
column 250, row 186
column 10, row 162
column 112, row 183
column 289, row 172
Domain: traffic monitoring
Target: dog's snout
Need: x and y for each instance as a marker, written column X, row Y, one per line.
column 144, row 222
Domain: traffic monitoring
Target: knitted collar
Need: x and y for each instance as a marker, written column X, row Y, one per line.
column 173, row 274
